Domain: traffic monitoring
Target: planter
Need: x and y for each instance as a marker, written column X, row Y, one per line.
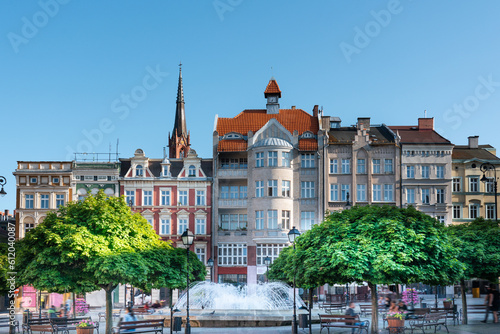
column 447, row 304
column 88, row 330
column 395, row 323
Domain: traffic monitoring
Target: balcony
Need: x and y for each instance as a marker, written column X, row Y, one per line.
column 232, row 202
column 232, row 173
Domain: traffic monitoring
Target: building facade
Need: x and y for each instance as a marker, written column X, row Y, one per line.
column 267, row 179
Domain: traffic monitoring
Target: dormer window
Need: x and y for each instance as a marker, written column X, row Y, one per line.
column 233, row 136
column 192, row 171
column 307, row 135
column 139, row 170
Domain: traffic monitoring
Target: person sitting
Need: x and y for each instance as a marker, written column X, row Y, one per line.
column 156, row 304
column 394, row 306
column 352, row 311
column 52, row 312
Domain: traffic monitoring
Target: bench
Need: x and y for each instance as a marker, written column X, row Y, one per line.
column 367, row 309
column 42, row 325
column 450, row 313
column 142, row 311
column 141, row 326
column 67, row 324
column 5, row 322
column 330, row 307
column 342, row 321
column 116, row 313
column 435, row 320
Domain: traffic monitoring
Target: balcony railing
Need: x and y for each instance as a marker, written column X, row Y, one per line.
column 232, row 202
column 236, row 173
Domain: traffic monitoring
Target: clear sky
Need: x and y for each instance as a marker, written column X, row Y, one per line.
column 78, row 75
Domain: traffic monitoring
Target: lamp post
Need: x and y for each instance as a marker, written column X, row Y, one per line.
column 3, row 181
column 347, row 205
column 485, row 167
column 210, row 263
column 292, row 235
column 187, row 240
column 267, row 262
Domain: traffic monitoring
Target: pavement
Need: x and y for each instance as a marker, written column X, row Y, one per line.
column 474, row 327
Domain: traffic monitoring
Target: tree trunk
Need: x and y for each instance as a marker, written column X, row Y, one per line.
column 74, row 305
column 109, row 308
column 310, row 308
column 374, row 324
column 464, row 301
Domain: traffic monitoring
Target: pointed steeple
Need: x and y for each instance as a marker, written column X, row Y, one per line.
column 179, row 141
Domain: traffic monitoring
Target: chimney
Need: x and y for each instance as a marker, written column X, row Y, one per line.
column 426, row 123
column 293, row 108
column 7, row 213
column 363, row 123
column 473, row 141
column 315, row 110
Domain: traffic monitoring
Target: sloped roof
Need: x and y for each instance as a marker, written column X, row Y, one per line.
column 176, row 166
column 232, row 145
column 378, row 135
column 464, row 152
column 272, row 88
column 308, row 144
column 413, row 135
column 254, row 119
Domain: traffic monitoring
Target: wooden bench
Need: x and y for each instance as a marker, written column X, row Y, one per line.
column 450, row 313
column 331, row 307
column 367, row 309
column 42, row 325
column 116, row 313
column 342, row 321
column 67, row 324
column 435, row 320
column 141, row 326
column 5, row 322
column 142, row 311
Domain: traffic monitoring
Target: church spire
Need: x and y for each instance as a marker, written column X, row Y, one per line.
column 179, row 141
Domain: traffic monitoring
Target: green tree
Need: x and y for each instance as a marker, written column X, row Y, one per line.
column 479, row 243
column 97, row 244
column 377, row 245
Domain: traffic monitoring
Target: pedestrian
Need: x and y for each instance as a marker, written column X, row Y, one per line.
column 52, row 312
column 494, row 302
column 487, row 304
column 352, row 310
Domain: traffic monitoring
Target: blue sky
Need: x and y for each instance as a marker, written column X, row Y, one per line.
column 67, row 67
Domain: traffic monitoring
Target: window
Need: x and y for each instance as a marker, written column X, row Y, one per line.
column 237, row 221
column 234, row 192
column 44, row 201
column 425, row 172
column 28, row 201
column 243, row 163
column 192, row 171
column 490, row 185
column 306, row 220
column 285, row 188
column 346, row 166
column 28, row 227
column 272, row 159
column 59, row 200
column 361, row 168
column 182, row 225
column 139, row 171
column 259, row 220
column 285, row 159
column 232, row 254
column 224, row 192
column 440, row 219
column 457, row 184
column 224, row 163
column 234, row 279
column 285, row 220
column 457, row 211
column 224, row 222
column 473, row 184
column 200, row 253
column 165, row 226
column 165, row 197
column 334, row 192
column 259, row 188
column 151, row 222
column 259, row 159
column 410, row 195
column 33, row 180
column 440, row 172
column 473, row 211
column 307, row 160
column 55, row 180
column 361, row 192
column 334, row 166
column 268, row 250
column 425, row 196
column 307, row 189
column 272, row 188
column 183, row 197
column 344, row 190
column 490, row 211
column 243, row 192
column 130, row 197
column 148, row 198
column 388, row 193
column 376, row 166
column 440, row 196
column 388, row 166
column 410, row 172
column 377, row 193
column 272, row 219
column 200, row 226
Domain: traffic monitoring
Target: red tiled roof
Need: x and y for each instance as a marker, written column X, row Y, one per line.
column 253, row 120
column 272, row 88
column 232, row 145
column 412, row 135
column 308, row 145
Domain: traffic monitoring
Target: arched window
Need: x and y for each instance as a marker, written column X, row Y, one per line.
column 139, row 171
column 192, row 171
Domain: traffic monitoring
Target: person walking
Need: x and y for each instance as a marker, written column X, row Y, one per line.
column 494, row 302
column 487, row 304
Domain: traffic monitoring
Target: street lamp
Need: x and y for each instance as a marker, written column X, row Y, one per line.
column 485, row 167
column 267, row 262
column 347, row 205
column 187, row 240
column 210, row 263
column 3, row 181
column 292, row 235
